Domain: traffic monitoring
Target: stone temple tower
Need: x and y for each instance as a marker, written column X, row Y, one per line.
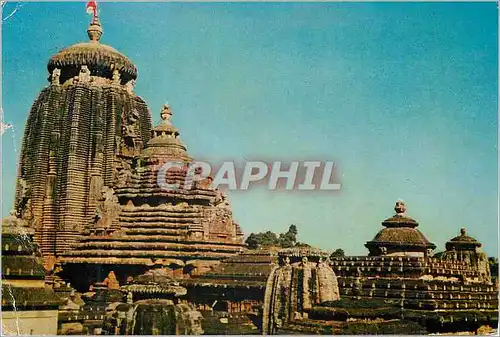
column 83, row 129
column 87, row 181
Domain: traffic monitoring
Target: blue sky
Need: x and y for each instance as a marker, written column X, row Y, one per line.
column 401, row 96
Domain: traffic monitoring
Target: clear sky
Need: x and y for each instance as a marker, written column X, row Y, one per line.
column 401, row 96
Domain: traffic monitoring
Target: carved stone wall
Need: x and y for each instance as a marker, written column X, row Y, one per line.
column 71, row 145
column 301, row 281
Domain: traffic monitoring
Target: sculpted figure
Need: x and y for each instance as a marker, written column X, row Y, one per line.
column 84, row 75
column 124, row 173
column 429, row 252
column 54, row 78
column 116, row 77
column 111, row 282
column 107, row 210
column 23, row 209
column 222, row 201
column 130, row 127
column 131, row 140
column 206, row 183
column 27, row 212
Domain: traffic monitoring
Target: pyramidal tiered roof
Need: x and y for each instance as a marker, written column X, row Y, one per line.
column 165, row 141
column 463, row 242
column 83, row 127
column 183, row 230
column 400, row 236
column 88, row 176
column 23, row 274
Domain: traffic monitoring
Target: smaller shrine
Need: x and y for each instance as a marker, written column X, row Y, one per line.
column 140, row 225
column 400, row 237
column 466, row 249
column 152, row 308
column 302, row 280
column 28, row 306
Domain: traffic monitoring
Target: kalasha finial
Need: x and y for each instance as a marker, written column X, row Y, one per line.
column 463, row 231
column 95, row 30
column 400, row 207
column 166, row 114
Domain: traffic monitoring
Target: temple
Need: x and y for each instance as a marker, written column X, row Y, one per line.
column 88, row 174
column 29, row 305
column 400, row 237
column 97, row 244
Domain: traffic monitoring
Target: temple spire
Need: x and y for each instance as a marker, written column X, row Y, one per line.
column 95, row 30
column 400, row 208
column 165, row 114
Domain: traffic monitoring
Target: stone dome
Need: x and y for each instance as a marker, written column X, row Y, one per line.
column 164, row 141
column 462, row 242
column 101, row 59
column 402, row 236
column 399, row 221
column 399, row 236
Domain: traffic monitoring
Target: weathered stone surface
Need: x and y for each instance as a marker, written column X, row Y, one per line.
column 466, row 249
column 88, row 175
column 28, row 307
column 400, row 236
column 301, row 281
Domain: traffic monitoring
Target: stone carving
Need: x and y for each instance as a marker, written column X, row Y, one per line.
column 98, row 80
column 301, row 281
column 429, row 252
column 131, row 138
column 154, row 317
column 400, row 236
column 107, row 210
column 24, row 209
column 400, row 208
column 166, row 114
column 124, row 173
column 79, row 206
column 111, row 282
column 131, row 143
column 467, row 250
column 24, row 196
column 129, row 128
column 116, row 77
column 84, row 75
column 222, row 201
column 54, row 78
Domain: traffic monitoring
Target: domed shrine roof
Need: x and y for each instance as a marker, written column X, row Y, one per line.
column 462, row 242
column 400, row 234
column 155, row 281
column 99, row 58
column 408, row 236
column 164, row 141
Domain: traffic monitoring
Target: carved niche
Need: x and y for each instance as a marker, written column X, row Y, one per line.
column 54, row 77
column 107, row 211
column 131, row 143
